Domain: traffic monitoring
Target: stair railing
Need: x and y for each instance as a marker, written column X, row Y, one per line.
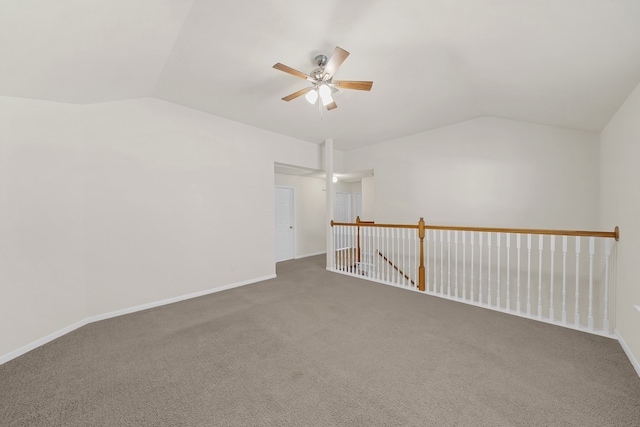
column 557, row 276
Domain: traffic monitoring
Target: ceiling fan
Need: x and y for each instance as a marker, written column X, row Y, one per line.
column 323, row 87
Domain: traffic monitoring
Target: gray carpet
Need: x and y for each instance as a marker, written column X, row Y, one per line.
column 313, row 348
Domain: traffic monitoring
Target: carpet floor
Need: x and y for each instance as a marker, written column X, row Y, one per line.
column 314, row 348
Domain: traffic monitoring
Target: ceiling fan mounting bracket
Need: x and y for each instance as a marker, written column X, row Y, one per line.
column 321, row 60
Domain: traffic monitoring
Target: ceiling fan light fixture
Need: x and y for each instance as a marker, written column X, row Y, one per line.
column 325, row 91
column 312, row 96
column 326, row 100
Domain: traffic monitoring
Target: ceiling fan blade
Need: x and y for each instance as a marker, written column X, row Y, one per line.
column 337, row 58
column 294, row 95
column 291, row 71
column 357, row 85
column 332, row 106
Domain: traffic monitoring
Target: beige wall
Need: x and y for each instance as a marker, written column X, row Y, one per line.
column 369, row 199
column 310, row 212
column 620, row 205
column 486, row 172
column 109, row 206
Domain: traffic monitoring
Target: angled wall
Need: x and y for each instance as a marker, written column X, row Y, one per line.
column 619, row 181
column 110, row 206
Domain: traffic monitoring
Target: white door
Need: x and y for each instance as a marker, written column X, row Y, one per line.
column 285, row 233
column 342, row 209
column 359, row 205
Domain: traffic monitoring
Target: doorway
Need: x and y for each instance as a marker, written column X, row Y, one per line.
column 342, row 208
column 285, row 232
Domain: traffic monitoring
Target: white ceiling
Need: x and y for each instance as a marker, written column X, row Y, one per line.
column 568, row 63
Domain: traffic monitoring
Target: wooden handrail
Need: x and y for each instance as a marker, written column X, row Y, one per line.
column 363, row 224
column 615, row 234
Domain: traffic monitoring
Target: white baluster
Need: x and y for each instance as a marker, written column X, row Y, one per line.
column 403, row 236
column 370, row 245
column 387, row 254
column 335, row 245
column 416, row 254
column 577, row 307
column 508, row 301
column 540, row 247
column 393, row 256
column 592, row 250
column 390, row 255
column 455, row 234
column 352, row 257
column 564, row 279
column 340, row 232
column 441, row 262
column 340, row 245
column 404, row 254
column 435, row 259
column 363, row 251
column 529, row 275
column 552, row 247
column 428, row 249
column 415, row 257
column 489, row 269
column 480, row 236
column 383, row 263
column 354, row 249
column 518, row 246
column 607, row 254
column 464, row 265
column 396, row 258
column 348, row 251
column 408, row 271
column 471, row 284
column 498, row 271
column 449, row 263
column 374, row 253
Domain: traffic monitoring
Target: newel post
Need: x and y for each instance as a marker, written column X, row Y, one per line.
column 421, row 268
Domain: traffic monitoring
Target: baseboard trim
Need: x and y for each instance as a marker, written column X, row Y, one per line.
column 627, row 351
column 310, row 255
column 167, row 301
column 42, row 341
column 57, row 334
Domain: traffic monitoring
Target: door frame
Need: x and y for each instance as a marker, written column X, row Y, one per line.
column 293, row 221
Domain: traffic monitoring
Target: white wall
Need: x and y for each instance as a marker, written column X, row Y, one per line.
column 486, row 172
column 42, row 225
column 368, row 199
column 109, row 206
column 309, row 213
column 620, row 205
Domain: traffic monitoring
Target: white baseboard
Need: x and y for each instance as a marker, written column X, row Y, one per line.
column 57, row 334
column 42, row 341
column 627, row 351
column 310, row 255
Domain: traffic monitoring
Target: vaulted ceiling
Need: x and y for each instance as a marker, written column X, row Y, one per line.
column 568, row 63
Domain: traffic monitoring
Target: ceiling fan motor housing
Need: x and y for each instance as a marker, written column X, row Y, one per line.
column 321, row 60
